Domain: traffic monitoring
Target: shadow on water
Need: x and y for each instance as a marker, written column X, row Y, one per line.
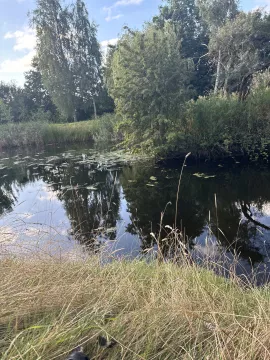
column 102, row 199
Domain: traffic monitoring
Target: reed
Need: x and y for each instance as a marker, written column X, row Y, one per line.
column 39, row 133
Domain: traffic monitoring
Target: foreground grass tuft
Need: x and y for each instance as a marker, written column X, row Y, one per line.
column 152, row 310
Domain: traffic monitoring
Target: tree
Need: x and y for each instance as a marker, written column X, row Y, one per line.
column 215, row 13
column 37, row 96
column 14, row 100
column 8, row 92
column 242, row 46
column 4, row 112
column 192, row 32
column 86, row 56
column 68, row 54
column 149, row 81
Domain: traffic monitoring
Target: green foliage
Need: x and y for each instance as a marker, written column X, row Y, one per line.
column 217, row 126
column 104, row 129
column 38, row 98
column 39, row 131
column 261, row 80
column 216, row 12
column 241, row 54
column 193, row 33
column 68, row 54
column 149, row 82
column 22, row 134
column 4, row 112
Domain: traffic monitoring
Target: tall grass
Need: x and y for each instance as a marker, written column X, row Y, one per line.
column 43, row 133
column 153, row 310
column 217, row 126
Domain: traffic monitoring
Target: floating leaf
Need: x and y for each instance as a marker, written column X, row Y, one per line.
column 53, row 159
column 153, row 178
column 92, row 188
column 150, row 185
column 111, row 230
column 204, row 176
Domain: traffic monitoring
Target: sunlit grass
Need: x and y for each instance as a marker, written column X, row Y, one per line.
column 82, row 131
column 43, row 133
column 153, row 310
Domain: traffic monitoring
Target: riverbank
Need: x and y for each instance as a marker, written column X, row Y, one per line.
column 38, row 133
column 153, row 311
column 213, row 128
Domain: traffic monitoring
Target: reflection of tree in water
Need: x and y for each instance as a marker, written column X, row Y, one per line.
column 236, row 192
column 12, row 180
column 241, row 197
column 88, row 209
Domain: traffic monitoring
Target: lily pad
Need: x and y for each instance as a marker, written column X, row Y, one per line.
column 111, row 230
column 53, row 159
column 150, row 185
column 153, row 178
column 204, row 176
column 92, row 188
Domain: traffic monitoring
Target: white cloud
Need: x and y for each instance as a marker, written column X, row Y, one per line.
column 127, row 2
column 117, row 4
column 110, row 17
column 24, row 40
column 104, row 45
column 18, row 65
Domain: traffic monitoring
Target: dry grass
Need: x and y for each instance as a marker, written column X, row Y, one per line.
column 153, row 310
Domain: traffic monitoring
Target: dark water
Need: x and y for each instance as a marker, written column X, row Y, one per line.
column 73, row 200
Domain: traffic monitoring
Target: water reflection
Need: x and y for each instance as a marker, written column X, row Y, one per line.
column 92, row 198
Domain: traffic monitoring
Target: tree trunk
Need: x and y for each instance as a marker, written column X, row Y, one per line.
column 95, row 108
column 218, row 72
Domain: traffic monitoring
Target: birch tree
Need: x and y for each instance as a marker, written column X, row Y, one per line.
column 68, row 54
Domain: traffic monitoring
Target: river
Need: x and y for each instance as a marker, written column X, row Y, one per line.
column 74, row 201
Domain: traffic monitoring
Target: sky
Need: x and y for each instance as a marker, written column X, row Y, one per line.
column 17, row 40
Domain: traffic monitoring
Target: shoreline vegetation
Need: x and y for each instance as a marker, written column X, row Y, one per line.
column 152, row 310
column 40, row 133
column 213, row 127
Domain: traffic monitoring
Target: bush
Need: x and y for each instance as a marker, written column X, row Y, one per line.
column 4, row 113
column 104, row 129
column 215, row 126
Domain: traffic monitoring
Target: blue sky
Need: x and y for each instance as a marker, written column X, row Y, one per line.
column 17, row 40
